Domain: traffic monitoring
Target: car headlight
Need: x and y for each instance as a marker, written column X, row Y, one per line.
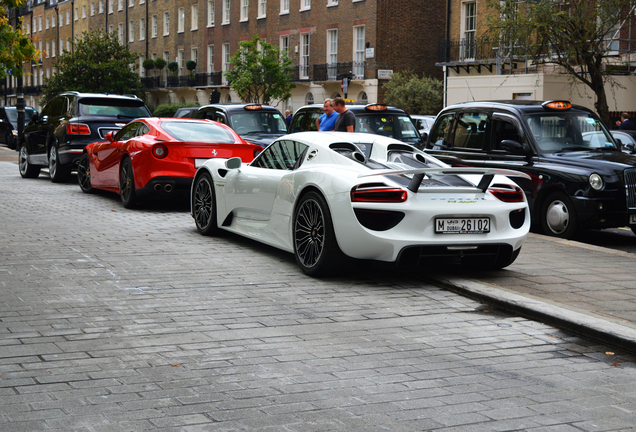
column 596, row 181
column 14, row 132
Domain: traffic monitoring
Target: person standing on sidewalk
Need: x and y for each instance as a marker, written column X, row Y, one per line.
column 625, row 123
column 327, row 121
column 346, row 119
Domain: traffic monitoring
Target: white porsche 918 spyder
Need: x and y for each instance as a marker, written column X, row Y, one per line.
column 325, row 196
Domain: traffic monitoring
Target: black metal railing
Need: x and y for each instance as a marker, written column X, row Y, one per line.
column 193, row 80
column 464, row 50
column 330, row 71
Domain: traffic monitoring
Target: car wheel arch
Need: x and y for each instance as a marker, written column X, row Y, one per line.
column 544, row 193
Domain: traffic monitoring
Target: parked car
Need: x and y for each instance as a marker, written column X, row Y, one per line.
column 71, row 120
column 626, row 139
column 186, row 112
column 317, row 195
column 255, row 123
column 157, row 157
column 423, row 124
column 580, row 178
column 378, row 119
column 9, row 124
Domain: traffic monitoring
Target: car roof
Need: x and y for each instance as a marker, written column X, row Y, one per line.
column 358, row 108
column 511, row 105
column 98, row 95
column 239, row 107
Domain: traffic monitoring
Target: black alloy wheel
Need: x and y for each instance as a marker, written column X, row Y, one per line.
column 58, row 173
column 26, row 169
column 204, row 206
column 315, row 246
column 84, row 174
column 127, row 184
column 558, row 217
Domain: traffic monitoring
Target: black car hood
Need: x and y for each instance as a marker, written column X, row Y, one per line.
column 598, row 160
column 263, row 139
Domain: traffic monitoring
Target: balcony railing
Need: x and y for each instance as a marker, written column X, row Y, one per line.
column 330, row 71
column 196, row 80
column 463, row 50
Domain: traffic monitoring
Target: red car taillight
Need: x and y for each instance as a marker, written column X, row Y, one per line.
column 160, row 151
column 378, row 194
column 507, row 194
column 77, row 129
column 257, row 151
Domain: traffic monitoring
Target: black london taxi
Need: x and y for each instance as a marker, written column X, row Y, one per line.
column 255, row 123
column 580, row 177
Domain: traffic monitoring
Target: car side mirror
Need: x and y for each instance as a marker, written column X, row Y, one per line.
column 514, row 147
column 233, row 163
column 424, row 138
column 110, row 136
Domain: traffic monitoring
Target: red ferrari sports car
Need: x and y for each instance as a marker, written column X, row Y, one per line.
column 157, row 157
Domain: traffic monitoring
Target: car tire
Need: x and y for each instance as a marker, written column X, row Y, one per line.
column 558, row 217
column 127, row 184
column 26, row 169
column 315, row 246
column 203, row 202
column 57, row 172
column 84, row 174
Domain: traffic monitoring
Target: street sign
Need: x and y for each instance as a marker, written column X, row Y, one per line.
column 344, row 86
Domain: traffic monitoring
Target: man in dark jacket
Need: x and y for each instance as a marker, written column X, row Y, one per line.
column 346, row 119
column 625, row 123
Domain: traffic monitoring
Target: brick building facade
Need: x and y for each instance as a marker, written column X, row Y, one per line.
column 324, row 38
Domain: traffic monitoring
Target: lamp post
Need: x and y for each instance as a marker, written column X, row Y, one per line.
column 19, row 106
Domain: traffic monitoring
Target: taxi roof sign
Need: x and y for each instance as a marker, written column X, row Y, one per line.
column 253, row 107
column 376, row 107
column 557, row 105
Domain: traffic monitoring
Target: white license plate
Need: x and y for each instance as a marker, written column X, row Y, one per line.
column 462, row 225
column 632, row 219
column 199, row 162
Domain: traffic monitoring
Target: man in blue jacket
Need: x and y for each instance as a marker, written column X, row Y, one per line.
column 327, row 121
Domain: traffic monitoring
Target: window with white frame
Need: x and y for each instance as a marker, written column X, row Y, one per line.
column 131, row 3
column 141, row 2
column 48, row 73
column 131, row 31
column 40, row 21
column 226, row 11
column 61, row 45
column 120, row 32
column 245, row 6
column 284, row 6
column 180, row 61
column 332, row 3
column 61, row 19
column 110, row 28
column 284, row 45
column 35, row 25
column 48, row 49
column 194, row 17
column 304, row 56
column 166, row 23
column 53, row 21
column 153, row 26
column 166, row 56
column 28, row 28
column 225, row 55
column 180, row 20
column 210, row 58
column 101, row 6
column 142, row 29
column 332, row 53
column 110, row 6
column 83, row 11
column 40, row 49
column 262, row 8
column 68, row 43
column 120, row 5
column 93, row 9
column 53, row 48
column 48, row 23
column 469, row 29
column 305, row 5
column 358, row 51
column 210, row 13
column 142, row 70
column 68, row 17
column 194, row 55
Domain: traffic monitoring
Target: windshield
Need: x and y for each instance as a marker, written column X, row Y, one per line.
column 255, row 122
column 198, row 132
column 12, row 115
column 395, row 126
column 568, row 131
column 113, row 108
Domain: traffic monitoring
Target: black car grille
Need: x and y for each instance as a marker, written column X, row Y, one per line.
column 630, row 188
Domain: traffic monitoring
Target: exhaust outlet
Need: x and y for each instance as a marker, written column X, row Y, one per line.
column 158, row 187
column 167, row 188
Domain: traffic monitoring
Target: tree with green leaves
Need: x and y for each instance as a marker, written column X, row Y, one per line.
column 575, row 36
column 413, row 94
column 15, row 47
column 260, row 73
column 99, row 63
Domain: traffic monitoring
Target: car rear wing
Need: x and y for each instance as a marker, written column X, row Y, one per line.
column 418, row 174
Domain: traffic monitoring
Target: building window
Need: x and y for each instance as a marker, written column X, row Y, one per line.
column 28, row 28
column 68, row 43
column 142, row 29
column 180, row 61
column 68, row 17
column 142, row 71
column 363, row 98
column 309, row 98
column 35, row 25
column 284, row 6
column 61, row 45
column 194, row 16
column 153, row 29
column 262, row 8
column 120, row 5
column 210, row 58
column 332, row 53
column 92, row 9
column 305, row 5
column 48, row 49
column 358, row 51
column 83, row 11
column 332, row 3
column 166, row 23
column 101, row 6
column 304, row 56
column 469, row 29
column 194, row 56
column 110, row 6
column 40, row 22
column 61, row 18
column 110, row 28
column 284, row 45
column 226, row 11
column 225, row 54
column 131, row 3
column 53, row 19
column 210, row 13
column 245, row 5
column 180, row 20
column 131, row 31
column 166, row 56
column 53, row 49
column 141, row 2
column 48, row 21
column 120, row 32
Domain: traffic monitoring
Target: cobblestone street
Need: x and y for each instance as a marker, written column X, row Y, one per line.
column 129, row 320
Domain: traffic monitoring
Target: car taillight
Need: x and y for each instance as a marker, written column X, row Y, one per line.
column 257, row 151
column 77, row 129
column 378, row 194
column 507, row 194
column 160, row 151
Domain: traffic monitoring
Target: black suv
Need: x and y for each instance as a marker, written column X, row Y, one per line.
column 9, row 124
column 580, row 176
column 69, row 122
column 258, row 124
column 378, row 119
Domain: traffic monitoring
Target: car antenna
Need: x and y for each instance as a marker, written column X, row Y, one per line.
column 471, row 93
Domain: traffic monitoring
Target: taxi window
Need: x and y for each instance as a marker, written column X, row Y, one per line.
column 441, row 135
column 470, row 132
